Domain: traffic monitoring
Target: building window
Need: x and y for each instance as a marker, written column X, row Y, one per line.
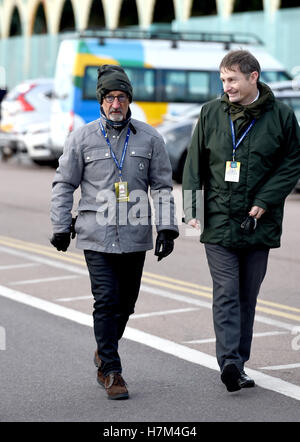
column 15, row 25
column 203, row 7
column 128, row 14
column 289, row 4
column 40, row 25
column 96, row 18
column 250, row 5
column 67, row 21
column 163, row 11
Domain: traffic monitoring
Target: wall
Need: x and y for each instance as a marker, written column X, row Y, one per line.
column 279, row 31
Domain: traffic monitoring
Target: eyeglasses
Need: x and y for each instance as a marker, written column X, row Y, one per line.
column 111, row 98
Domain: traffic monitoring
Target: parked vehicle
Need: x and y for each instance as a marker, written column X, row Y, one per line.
column 3, row 92
column 291, row 96
column 36, row 142
column 24, row 108
column 177, row 132
column 169, row 72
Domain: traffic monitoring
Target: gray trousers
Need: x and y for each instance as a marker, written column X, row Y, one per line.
column 237, row 275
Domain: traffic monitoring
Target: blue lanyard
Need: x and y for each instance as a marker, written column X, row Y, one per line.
column 119, row 165
column 234, row 143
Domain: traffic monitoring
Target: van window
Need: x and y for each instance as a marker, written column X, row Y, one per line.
column 170, row 85
column 144, row 83
column 185, row 86
column 142, row 79
column 160, row 85
column 90, row 82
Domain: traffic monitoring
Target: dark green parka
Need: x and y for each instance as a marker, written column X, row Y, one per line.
column 270, row 167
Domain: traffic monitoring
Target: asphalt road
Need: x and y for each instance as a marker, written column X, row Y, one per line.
column 47, row 343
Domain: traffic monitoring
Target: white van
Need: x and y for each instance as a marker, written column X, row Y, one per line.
column 169, row 71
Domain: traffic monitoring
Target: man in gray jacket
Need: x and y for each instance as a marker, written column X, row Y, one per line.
column 115, row 160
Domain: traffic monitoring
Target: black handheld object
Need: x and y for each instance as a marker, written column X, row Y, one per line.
column 249, row 224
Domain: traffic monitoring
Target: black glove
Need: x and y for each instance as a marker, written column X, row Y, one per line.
column 165, row 242
column 61, row 240
column 73, row 232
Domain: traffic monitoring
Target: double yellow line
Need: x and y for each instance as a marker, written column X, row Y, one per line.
column 269, row 307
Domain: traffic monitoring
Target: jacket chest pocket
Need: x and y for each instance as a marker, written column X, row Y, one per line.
column 140, row 159
column 98, row 163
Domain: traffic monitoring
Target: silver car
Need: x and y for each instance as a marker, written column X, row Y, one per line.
column 25, row 121
column 177, row 132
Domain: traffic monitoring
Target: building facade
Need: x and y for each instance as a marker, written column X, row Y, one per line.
column 27, row 17
column 31, row 30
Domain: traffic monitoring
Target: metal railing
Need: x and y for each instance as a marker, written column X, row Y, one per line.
column 173, row 36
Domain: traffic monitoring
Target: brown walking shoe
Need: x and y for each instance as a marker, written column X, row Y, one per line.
column 100, row 375
column 115, row 386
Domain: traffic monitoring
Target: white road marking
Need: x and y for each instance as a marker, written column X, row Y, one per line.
column 74, row 298
column 38, row 281
column 18, row 266
column 153, row 290
column 161, row 344
column 161, row 313
column 255, row 335
column 46, row 306
column 280, row 367
column 171, row 295
column 274, row 322
column 205, row 304
column 200, row 341
column 47, row 261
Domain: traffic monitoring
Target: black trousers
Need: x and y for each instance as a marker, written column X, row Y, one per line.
column 237, row 275
column 115, row 283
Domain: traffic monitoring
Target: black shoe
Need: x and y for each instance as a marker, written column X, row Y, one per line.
column 230, row 376
column 245, row 381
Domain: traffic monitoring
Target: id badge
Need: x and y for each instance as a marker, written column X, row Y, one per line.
column 122, row 191
column 232, row 171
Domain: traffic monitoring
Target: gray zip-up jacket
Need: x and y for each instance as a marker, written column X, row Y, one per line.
column 103, row 224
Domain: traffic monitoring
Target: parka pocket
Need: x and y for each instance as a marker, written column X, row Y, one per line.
column 88, row 228
column 96, row 154
column 140, row 159
column 141, row 233
column 98, row 164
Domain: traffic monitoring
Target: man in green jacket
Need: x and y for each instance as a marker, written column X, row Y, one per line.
column 243, row 161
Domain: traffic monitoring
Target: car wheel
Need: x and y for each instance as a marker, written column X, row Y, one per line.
column 51, row 163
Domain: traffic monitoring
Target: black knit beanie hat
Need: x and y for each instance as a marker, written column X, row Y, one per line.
column 112, row 78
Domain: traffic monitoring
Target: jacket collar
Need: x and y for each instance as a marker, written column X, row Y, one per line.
column 264, row 102
column 119, row 125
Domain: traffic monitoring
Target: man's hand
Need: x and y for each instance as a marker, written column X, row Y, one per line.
column 256, row 212
column 194, row 223
column 61, row 241
column 164, row 244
